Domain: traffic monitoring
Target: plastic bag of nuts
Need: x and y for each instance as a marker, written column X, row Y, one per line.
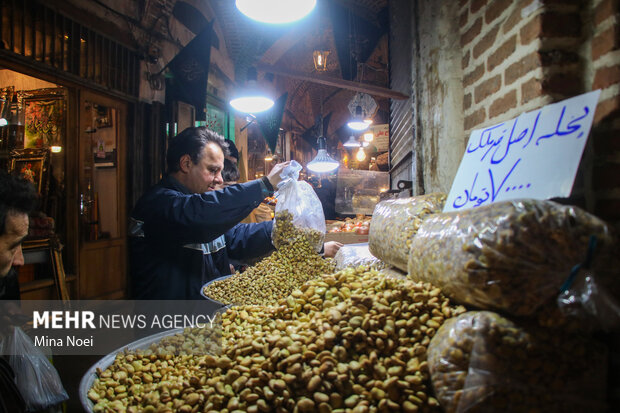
column 482, row 362
column 394, row 224
column 512, row 255
column 353, row 255
column 298, row 210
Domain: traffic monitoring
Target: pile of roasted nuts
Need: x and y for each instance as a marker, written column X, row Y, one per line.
column 351, row 341
column 285, row 232
column 272, row 278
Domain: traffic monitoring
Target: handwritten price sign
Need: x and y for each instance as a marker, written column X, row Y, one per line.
column 533, row 156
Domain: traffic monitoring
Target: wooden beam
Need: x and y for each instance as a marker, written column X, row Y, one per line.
column 335, row 82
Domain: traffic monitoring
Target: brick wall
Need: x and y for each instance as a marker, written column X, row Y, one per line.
column 519, row 55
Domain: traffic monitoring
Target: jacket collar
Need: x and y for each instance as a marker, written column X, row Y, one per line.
column 171, row 182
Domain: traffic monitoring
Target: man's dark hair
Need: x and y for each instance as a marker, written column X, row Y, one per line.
column 16, row 194
column 232, row 150
column 230, row 173
column 191, row 142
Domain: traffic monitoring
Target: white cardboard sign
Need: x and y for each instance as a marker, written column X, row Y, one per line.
column 535, row 155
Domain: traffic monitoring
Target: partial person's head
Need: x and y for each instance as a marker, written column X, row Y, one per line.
column 196, row 159
column 18, row 198
column 233, row 153
column 230, row 174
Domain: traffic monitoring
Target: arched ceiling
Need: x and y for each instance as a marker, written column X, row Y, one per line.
column 355, row 33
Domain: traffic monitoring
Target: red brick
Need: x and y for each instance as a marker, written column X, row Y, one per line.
column 487, row 88
column 462, row 3
column 606, row 76
column 475, row 119
column 608, row 209
column 501, row 105
column 522, row 67
column 473, row 76
column 530, row 90
column 477, row 5
column 604, row 10
column 607, row 108
column 606, row 176
column 502, row 53
column 471, row 33
column 606, row 141
column 467, row 101
column 465, row 60
column 515, row 16
column 606, row 42
column 486, row 42
column 495, row 9
column 567, row 84
column 464, row 18
column 531, row 30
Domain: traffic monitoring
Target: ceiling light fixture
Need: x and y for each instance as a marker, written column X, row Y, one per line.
column 369, row 136
column 322, row 162
column 275, row 11
column 320, row 60
column 351, row 142
column 252, row 99
column 360, row 155
column 357, row 123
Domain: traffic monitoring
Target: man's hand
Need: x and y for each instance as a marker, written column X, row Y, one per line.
column 274, row 174
column 330, row 248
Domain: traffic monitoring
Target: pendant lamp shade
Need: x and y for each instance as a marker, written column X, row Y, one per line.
column 322, row 162
column 252, row 98
column 351, row 142
column 275, row 11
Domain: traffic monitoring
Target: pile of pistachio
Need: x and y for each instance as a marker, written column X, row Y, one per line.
column 272, row 278
column 351, row 341
column 285, row 232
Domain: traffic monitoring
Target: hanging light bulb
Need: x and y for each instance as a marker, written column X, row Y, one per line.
column 252, row 99
column 322, row 162
column 351, row 142
column 275, row 11
column 357, row 123
column 320, row 59
column 360, row 155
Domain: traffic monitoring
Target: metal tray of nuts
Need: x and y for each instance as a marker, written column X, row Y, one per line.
column 202, row 290
column 142, row 344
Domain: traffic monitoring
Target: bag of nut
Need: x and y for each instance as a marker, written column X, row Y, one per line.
column 298, row 212
column 394, row 224
column 483, row 362
column 354, row 255
column 512, row 256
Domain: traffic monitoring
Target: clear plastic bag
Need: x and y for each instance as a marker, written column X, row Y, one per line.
column 36, row 378
column 298, row 212
column 394, row 224
column 353, row 255
column 483, row 362
column 512, row 256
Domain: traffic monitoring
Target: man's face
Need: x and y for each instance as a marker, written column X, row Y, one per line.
column 207, row 174
column 16, row 229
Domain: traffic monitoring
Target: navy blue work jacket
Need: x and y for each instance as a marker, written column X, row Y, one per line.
column 179, row 241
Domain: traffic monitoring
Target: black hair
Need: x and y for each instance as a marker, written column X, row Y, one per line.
column 16, row 195
column 191, row 142
column 232, row 149
column 230, row 173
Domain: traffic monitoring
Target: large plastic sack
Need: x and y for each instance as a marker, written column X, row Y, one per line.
column 513, row 256
column 298, row 211
column 394, row 224
column 483, row 362
column 36, row 378
column 354, row 255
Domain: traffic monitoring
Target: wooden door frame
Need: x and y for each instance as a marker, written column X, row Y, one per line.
column 122, row 143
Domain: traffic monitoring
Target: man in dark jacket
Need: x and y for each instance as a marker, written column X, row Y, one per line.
column 183, row 231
